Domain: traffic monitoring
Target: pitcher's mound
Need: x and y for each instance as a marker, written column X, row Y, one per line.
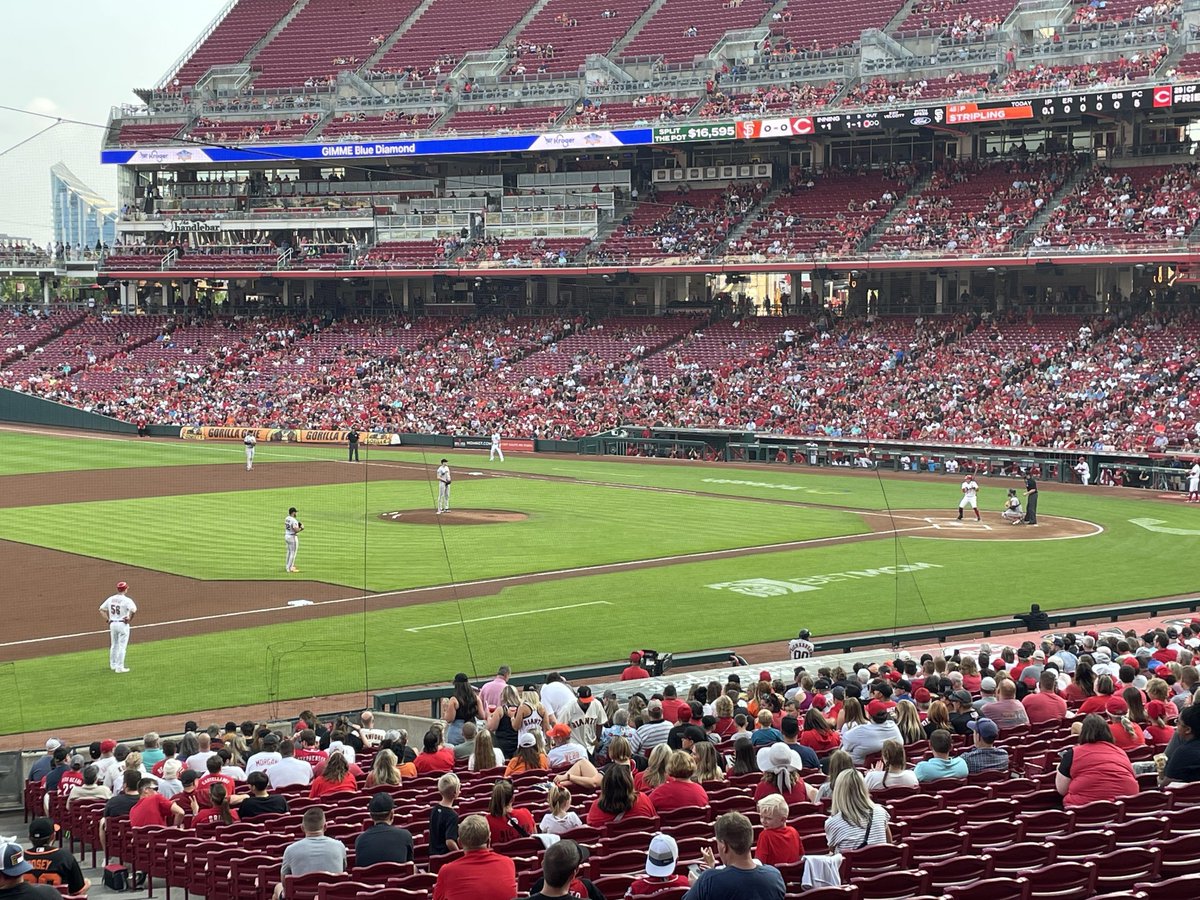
column 453, row 517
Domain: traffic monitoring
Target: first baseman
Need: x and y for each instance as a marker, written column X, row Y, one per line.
column 443, row 477
column 291, row 537
column 250, row 441
column 970, row 490
column 118, row 611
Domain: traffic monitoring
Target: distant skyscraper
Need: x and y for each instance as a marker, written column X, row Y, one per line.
column 81, row 216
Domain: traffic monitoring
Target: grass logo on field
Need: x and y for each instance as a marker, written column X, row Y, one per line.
column 769, row 485
column 761, row 587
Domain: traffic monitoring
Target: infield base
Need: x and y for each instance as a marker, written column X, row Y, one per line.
column 453, row 517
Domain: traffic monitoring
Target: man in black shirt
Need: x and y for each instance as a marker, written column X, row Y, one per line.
column 53, row 865
column 560, row 874
column 383, row 841
column 260, row 803
column 13, row 869
column 119, row 805
column 1031, row 498
column 443, row 820
column 352, row 437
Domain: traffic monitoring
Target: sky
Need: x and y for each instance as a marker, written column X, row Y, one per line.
column 76, row 60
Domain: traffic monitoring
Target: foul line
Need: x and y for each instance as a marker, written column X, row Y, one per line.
column 512, row 615
column 528, row 577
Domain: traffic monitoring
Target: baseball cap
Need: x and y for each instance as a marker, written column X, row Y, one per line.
column 985, row 728
column 77, row 761
column 560, row 731
column 878, row 708
column 764, row 675
column 988, row 685
column 527, row 740
column 635, row 656
column 1116, row 706
column 1039, row 654
column 818, row 701
column 171, row 769
column 108, row 746
column 921, row 695
column 53, row 744
column 895, row 676
column 662, row 856
column 1156, row 709
column 121, row 585
column 382, row 802
column 1058, row 642
column 14, row 862
column 585, row 693
column 189, row 776
column 42, row 828
column 961, row 697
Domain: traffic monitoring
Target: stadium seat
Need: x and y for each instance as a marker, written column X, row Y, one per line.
column 991, row 889
column 1062, row 881
column 1171, row 888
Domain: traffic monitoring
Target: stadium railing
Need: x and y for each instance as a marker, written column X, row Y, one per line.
column 391, row 700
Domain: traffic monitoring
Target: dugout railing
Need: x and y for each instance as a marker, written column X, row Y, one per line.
column 390, row 701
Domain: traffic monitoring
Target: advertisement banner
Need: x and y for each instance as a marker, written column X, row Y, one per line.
column 514, row 445
column 284, row 435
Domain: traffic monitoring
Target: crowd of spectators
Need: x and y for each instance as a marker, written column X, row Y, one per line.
column 1128, row 69
column 520, row 785
column 763, row 100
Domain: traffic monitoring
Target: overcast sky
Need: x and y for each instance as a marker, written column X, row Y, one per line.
column 74, row 59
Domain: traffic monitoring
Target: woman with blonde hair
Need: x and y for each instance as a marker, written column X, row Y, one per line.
column 909, row 722
column 839, row 762
column 892, row 770
column 854, row 821
column 680, row 789
column 656, row 768
column 384, row 770
column 938, row 718
column 503, row 724
column 561, row 818
column 971, row 678
column 851, row 715
column 724, row 711
column 708, row 763
column 484, row 755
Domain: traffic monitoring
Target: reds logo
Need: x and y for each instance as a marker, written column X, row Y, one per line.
column 1162, row 96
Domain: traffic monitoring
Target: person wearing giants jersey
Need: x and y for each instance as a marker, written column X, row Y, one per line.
column 213, row 764
column 970, row 497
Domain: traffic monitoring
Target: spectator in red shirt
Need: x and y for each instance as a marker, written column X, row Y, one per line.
column 1098, row 703
column 634, row 670
column 725, row 725
column 781, row 775
column 152, row 808
column 671, row 704
column 1096, row 768
column 679, row 790
column 1163, row 652
column 778, row 842
column 818, row 735
column 214, row 776
column 618, row 799
column 1158, row 730
column 661, row 860
column 1045, row 705
column 1126, row 733
column 506, row 823
column 336, row 779
column 434, row 757
column 480, row 873
column 217, row 807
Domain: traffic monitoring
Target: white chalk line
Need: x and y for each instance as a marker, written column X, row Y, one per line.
column 598, row 568
column 511, row 615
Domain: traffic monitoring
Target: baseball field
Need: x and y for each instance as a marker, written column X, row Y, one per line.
column 543, row 561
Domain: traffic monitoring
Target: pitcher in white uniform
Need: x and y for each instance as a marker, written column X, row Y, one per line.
column 495, row 451
column 291, row 537
column 443, row 477
column 118, row 611
column 970, row 491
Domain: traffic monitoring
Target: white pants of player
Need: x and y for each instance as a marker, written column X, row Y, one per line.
column 1193, row 487
column 249, row 458
column 1085, row 478
column 293, row 544
column 1012, row 515
column 118, row 640
column 968, row 501
column 496, row 451
column 443, row 500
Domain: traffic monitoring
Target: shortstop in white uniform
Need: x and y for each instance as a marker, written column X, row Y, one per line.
column 495, row 451
column 443, row 477
column 291, row 538
column 118, row 611
column 970, row 490
column 1084, row 471
column 250, row 441
column 1194, row 484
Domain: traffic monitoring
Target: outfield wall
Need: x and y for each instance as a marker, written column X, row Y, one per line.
column 29, row 410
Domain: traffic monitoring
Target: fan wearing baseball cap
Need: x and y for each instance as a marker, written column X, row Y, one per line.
column 661, row 859
column 634, row 670
column 985, row 756
column 53, row 865
column 862, row 741
column 44, row 763
column 15, row 868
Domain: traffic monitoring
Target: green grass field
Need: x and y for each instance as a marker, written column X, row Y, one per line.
column 610, row 514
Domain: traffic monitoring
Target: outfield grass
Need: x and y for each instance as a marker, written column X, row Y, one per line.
column 236, row 534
